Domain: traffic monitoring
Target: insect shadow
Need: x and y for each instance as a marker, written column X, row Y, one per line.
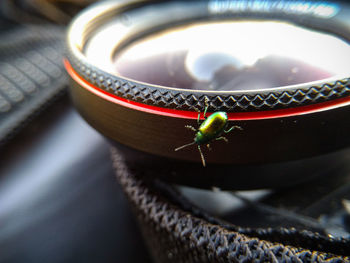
column 209, row 130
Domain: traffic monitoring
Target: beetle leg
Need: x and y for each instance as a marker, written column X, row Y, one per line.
column 199, row 115
column 208, row 146
column 222, row 138
column 206, row 107
column 184, row 146
column 233, row 127
column 202, row 156
column 205, row 112
column 191, row 128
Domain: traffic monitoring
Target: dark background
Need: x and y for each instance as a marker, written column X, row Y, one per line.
column 59, row 200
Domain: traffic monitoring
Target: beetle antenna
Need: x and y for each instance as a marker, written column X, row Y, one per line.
column 183, row 146
column 202, row 156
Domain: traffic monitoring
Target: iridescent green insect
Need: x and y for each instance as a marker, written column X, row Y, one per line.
column 210, row 129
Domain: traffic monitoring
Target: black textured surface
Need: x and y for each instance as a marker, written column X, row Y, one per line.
column 229, row 102
column 175, row 231
column 31, row 73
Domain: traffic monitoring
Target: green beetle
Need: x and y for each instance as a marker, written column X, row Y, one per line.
column 210, row 129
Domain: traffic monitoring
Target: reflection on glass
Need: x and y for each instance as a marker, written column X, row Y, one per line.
column 234, row 56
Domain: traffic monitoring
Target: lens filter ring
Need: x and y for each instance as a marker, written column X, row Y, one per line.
column 274, row 98
column 289, row 132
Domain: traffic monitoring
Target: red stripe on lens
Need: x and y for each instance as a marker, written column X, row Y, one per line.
column 256, row 115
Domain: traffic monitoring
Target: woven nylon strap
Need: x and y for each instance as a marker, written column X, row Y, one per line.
column 175, row 231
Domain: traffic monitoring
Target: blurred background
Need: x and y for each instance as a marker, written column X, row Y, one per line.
column 59, row 200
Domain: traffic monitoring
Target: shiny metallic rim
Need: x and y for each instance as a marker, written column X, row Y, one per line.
column 189, row 100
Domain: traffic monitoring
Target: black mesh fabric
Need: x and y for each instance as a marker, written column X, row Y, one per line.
column 176, row 231
column 31, row 73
